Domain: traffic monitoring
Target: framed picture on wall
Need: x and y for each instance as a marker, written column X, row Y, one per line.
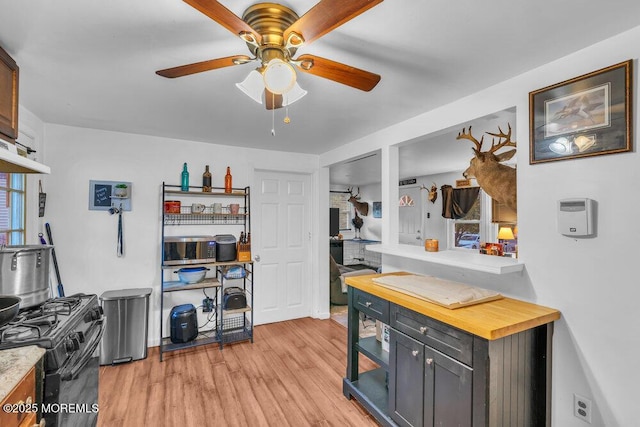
column 377, row 209
column 585, row 116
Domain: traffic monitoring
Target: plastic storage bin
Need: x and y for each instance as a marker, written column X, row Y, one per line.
column 125, row 335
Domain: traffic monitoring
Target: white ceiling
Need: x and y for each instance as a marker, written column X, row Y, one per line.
column 91, row 64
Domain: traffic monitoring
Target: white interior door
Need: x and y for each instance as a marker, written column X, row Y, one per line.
column 281, row 211
column 410, row 216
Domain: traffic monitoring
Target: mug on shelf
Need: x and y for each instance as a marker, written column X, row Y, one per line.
column 234, row 208
column 217, row 208
column 197, row 208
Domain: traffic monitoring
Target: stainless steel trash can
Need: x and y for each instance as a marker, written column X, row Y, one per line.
column 125, row 335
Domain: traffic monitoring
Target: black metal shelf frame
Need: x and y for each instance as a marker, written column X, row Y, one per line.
column 227, row 326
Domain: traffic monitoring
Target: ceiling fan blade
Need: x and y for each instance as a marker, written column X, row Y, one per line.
column 271, row 100
column 341, row 73
column 223, row 16
column 198, row 67
column 326, row 16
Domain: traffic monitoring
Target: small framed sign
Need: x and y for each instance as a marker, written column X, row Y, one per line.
column 103, row 195
column 463, row 183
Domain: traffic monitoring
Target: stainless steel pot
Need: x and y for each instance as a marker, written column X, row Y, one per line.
column 24, row 272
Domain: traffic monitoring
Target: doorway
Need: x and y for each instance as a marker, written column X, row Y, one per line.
column 281, row 211
column 410, row 216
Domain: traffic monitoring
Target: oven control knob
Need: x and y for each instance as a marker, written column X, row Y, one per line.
column 72, row 344
column 93, row 314
column 77, row 336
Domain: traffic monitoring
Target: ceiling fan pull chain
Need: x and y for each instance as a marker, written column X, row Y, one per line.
column 273, row 115
column 287, row 119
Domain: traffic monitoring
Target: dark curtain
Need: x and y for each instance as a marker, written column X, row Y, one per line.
column 457, row 202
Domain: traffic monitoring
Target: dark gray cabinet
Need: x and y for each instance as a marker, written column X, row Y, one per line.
column 406, row 379
column 438, row 375
column 447, row 391
column 427, row 387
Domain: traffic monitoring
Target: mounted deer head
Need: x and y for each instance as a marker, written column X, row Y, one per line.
column 496, row 179
column 433, row 192
column 362, row 207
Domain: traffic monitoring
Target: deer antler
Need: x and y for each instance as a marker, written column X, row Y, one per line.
column 464, row 135
column 507, row 139
column 356, row 196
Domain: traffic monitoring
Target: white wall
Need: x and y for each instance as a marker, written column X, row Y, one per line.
column 86, row 240
column 591, row 281
column 434, row 226
column 372, row 227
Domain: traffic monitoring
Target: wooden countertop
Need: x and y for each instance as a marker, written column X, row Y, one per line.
column 491, row 320
column 15, row 363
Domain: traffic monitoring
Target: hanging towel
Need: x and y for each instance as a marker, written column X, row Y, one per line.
column 457, row 202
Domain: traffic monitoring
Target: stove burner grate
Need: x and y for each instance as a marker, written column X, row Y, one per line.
column 64, row 305
column 30, row 325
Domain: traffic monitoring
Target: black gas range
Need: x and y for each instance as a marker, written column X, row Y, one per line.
column 69, row 329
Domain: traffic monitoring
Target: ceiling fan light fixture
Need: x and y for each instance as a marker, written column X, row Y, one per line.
column 252, row 86
column 295, row 94
column 279, row 76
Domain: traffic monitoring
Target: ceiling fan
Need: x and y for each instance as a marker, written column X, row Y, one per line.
column 273, row 33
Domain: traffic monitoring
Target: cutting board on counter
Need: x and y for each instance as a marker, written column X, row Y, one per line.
column 445, row 293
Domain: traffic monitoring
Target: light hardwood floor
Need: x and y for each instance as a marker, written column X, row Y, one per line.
column 291, row 375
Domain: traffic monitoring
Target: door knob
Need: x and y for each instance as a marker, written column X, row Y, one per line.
column 414, row 353
column 429, row 361
column 257, row 258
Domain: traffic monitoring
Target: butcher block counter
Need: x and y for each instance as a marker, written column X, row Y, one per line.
column 490, row 320
column 483, row 364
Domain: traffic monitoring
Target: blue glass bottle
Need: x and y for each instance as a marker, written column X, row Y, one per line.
column 185, row 178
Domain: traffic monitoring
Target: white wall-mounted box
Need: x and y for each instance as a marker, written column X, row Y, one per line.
column 576, row 217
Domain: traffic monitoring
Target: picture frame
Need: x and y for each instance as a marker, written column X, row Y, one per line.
column 585, row 116
column 103, row 195
column 377, row 209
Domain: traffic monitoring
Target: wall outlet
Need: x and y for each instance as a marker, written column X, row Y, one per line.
column 207, row 305
column 582, row 407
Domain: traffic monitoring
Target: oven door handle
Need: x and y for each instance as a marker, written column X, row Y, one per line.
column 84, row 358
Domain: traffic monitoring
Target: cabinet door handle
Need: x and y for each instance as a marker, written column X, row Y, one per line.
column 429, row 361
column 368, row 303
column 423, row 330
column 414, row 353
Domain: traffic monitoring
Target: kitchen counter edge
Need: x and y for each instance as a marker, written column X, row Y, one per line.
column 15, row 363
column 490, row 320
